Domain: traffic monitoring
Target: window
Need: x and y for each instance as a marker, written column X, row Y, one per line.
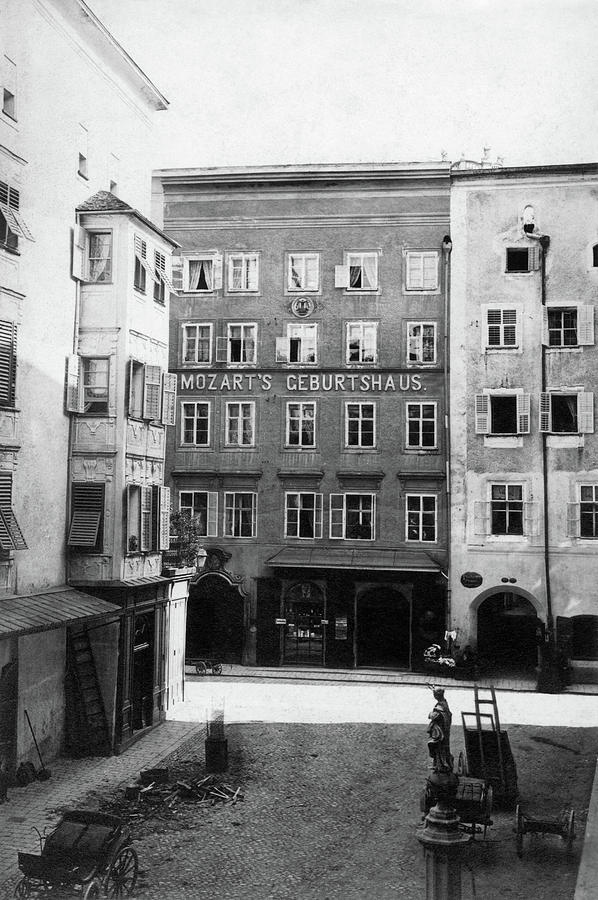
column 588, row 510
column 203, row 506
column 595, row 255
column 301, row 425
column 239, row 346
column 95, row 385
column 506, row 509
column 421, row 270
column 8, row 362
column 11, row 536
column 202, row 274
column 152, row 393
column 87, row 517
column 421, row 426
column 159, row 278
column 362, row 339
column 303, row 515
column 197, row 343
column 502, row 328
column 420, row 512
column 564, row 412
column 243, row 272
column 9, row 88
column 99, row 256
column 113, row 172
column 12, row 225
column 360, row 425
column 421, row 342
column 352, row 516
column 299, row 346
column 507, row 413
column 240, row 424
column 303, row 272
column 570, row 326
column 240, row 509
column 521, row 259
column 142, row 266
column 196, row 424
column 363, row 271
column 148, row 518
column 82, row 167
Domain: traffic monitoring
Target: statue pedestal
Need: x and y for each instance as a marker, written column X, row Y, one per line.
column 443, row 841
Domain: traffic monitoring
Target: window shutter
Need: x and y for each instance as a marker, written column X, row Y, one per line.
column 217, row 271
column 585, row 324
column 78, row 260
column 152, row 390
column 164, row 518
column 585, row 412
column 341, row 276
column 523, row 413
column 87, row 510
column 534, row 257
column 145, row 542
column 545, row 412
column 319, row 504
column 221, row 349
column 168, row 398
column 282, row 349
column 530, row 519
column 212, row 524
column 481, row 517
column 545, row 334
column 573, row 520
column 415, row 271
column 177, row 273
column 8, row 350
column 11, row 536
column 337, row 506
column 73, row 385
column 131, row 388
column 482, row 414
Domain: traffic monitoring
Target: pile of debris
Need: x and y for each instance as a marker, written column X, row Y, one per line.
column 154, row 787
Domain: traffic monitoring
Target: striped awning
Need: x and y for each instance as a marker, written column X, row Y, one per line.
column 30, row 613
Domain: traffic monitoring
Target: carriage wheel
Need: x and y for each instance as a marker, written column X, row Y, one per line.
column 519, row 828
column 23, row 889
column 217, row 669
column 92, row 890
column 569, row 834
column 462, row 765
column 200, row 668
column 122, row 876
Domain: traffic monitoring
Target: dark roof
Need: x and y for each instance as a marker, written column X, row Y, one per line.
column 55, row 608
column 107, row 202
column 345, row 558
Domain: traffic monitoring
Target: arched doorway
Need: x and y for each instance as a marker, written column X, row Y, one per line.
column 382, row 629
column 215, row 620
column 508, row 628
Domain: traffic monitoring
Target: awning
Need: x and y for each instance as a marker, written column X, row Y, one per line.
column 343, row 558
column 54, row 609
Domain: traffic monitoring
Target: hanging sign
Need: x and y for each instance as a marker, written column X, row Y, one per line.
column 471, row 579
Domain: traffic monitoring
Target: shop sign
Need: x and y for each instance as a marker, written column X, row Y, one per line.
column 471, row 579
column 280, row 621
column 327, row 382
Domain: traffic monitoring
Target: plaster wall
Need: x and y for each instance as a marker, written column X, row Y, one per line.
column 41, row 693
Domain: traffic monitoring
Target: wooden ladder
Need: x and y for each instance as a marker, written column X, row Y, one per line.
column 494, row 719
column 88, row 694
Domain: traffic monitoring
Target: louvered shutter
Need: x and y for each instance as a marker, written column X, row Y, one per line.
column 78, row 261
column 146, row 518
column 217, row 268
column 415, row 271
column 523, row 413
column 8, row 350
column 337, row 508
column 152, row 392
column 545, row 332
column 177, row 273
column 17, row 224
column 430, row 271
column 164, row 518
column 534, row 257
column 573, row 519
column 341, row 276
column 530, row 519
column 142, row 255
column 11, row 536
column 73, row 384
column 585, row 412
column 482, row 414
column 585, row 325
column 212, row 524
column 221, row 349
column 168, row 398
column 282, row 349
column 481, row 517
column 545, row 412
column 87, row 509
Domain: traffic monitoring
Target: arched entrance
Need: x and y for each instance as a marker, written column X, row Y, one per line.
column 382, row 628
column 215, row 619
column 508, row 628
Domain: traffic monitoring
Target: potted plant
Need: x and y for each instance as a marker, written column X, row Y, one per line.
column 186, row 537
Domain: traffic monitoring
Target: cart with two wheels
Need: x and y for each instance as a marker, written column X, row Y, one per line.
column 201, row 664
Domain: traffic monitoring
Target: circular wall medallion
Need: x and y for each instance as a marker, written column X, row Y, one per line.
column 471, row 579
column 303, row 306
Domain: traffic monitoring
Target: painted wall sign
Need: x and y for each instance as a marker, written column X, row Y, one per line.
column 305, row 382
column 280, row 621
column 471, row 579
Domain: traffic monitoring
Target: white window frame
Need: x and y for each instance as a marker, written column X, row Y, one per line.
column 301, row 418
column 360, row 419
column 244, row 406
column 231, row 526
column 533, row 259
column 83, row 152
column 215, row 280
column 342, row 274
column 87, row 387
column 9, row 88
column 301, row 332
column 224, row 345
column 483, row 512
column 584, row 325
column 248, row 286
column 415, row 343
column 89, row 234
column 577, row 509
column 196, row 418
column 187, row 339
column 143, row 267
column 421, row 419
column 584, row 413
column 299, row 260
column 421, row 512
column 211, row 510
column 483, row 413
column 339, row 515
column 365, row 331
column 510, row 318
column 508, row 485
column 416, row 280
column 316, row 510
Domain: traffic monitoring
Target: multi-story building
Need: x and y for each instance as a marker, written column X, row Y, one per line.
column 308, row 340
column 524, row 446
column 74, row 120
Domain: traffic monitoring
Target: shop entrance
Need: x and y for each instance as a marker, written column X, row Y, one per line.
column 383, row 629
column 508, row 629
column 215, row 620
column 142, row 694
column 304, row 610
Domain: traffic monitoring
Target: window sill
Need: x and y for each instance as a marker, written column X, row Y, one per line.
column 202, row 293
column 421, row 450
column 83, row 176
column 140, row 293
column 507, row 538
column 513, row 348
column 14, row 251
column 12, row 119
column 413, row 292
column 505, row 442
column 361, row 292
column 564, row 441
column 577, row 348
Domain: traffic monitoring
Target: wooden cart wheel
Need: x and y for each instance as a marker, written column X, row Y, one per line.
column 92, row 890
column 23, row 888
column 462, row 765
column 217, row 669
column 569, row 835
column 200, row 668
column 122, row 876
column 519, row 828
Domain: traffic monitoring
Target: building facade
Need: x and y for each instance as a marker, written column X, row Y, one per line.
column 524, row 447
column 308, row 341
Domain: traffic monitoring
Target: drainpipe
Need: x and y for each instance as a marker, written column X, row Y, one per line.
column 447, row 246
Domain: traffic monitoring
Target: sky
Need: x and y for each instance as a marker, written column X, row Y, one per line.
column 258, row 82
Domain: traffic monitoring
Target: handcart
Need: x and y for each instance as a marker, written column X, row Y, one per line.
column 88, row 853
column 562, row 825
column 487, row 749
column 203, row 663
column 472, row 803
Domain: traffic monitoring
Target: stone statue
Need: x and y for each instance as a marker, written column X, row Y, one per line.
column 439, row 731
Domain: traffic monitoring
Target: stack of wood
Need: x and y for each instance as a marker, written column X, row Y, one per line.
column 206, row 791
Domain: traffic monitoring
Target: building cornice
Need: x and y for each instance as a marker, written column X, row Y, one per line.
column 578, row 170
column 274, row 222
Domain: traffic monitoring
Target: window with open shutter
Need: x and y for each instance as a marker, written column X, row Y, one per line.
column 523, row 413
column 146, row 518
column 545, row 412
column 482, row 414
column 11, row 536
column 221, row 349
column 585, row 324
column 168, row 398
column 282, row 349
column 337, row 516
column 8, row 359
column 341, row 276
column 163, row 518
column 573, row 520
column 152, row 392
column 78, row 265
column 176, row 266
column 135, row 391
column 585, row 412
column 73, row 384
column 87, row 512
column 481, row 517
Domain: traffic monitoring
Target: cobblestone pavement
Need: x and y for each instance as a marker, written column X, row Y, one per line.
column 332, row 811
